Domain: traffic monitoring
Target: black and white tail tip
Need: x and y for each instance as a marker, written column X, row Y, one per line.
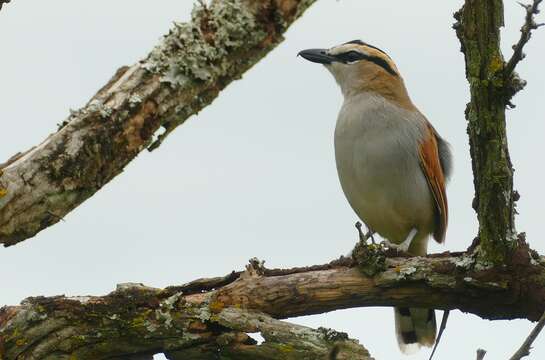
column 415, row 327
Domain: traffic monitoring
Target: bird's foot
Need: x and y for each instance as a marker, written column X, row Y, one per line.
column 364, row 237
column 403, row 247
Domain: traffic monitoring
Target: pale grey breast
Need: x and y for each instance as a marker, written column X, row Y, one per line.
column 376, row 151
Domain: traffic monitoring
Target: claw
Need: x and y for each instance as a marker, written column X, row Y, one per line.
column 404, row 246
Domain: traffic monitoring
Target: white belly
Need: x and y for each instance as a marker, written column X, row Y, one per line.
column 379, row 170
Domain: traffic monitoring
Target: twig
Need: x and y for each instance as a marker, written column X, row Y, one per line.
column 525, row 35
column 480, row 354
column 364, row 237
column 442, row 328
column 2, row 2
column 524, row 350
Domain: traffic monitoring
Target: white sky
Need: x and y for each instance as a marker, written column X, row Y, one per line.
column 253, row 174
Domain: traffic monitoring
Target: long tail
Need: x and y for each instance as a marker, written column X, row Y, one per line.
column 415, row 327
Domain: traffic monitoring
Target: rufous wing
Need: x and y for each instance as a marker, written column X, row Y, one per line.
column 431, row 167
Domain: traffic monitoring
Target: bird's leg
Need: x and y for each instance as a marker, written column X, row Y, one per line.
column 368, row 235
column 404, row 246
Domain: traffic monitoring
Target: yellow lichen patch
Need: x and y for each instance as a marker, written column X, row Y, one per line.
column 496, row 64
column 140, row 321
column 285, row 348
column 3, row 192
column 216, row 306
column 21, row 342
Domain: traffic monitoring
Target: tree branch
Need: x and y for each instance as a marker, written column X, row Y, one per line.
column 478, row 29
column 442, row 328
column 481, row 354
column 213, row 314
column 2, row 2
column 524, row 350
column 182, row 75
column 525, row 35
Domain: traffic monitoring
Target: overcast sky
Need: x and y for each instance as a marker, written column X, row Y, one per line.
column 253, row 174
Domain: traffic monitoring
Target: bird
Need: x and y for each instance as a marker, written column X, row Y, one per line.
column 392, row 164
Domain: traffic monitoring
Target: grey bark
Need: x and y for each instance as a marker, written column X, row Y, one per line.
column 184, row 73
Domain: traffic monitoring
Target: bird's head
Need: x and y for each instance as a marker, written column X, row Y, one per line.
column 359, row 67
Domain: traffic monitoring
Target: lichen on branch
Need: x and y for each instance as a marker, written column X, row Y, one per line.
column 478, row 29
column 184, row 73
column 208, row 316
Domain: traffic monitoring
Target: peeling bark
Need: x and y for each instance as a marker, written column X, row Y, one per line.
column 184, row 73
column 202, row 318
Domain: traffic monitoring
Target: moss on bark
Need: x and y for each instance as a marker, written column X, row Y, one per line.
column 478, row 28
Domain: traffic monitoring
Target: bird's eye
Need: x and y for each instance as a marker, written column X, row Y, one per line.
column 350, row 57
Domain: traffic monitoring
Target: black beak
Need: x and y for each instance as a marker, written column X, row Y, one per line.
column 319, row 56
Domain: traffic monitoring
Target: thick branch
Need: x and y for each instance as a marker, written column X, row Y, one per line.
column 193, row 318
column 182, row 75
column 493, row 83
column 478, row 29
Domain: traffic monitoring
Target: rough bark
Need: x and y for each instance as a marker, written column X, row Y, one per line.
column 213, row 315
column 182, row 327
column 183, row 74
column 478, row 28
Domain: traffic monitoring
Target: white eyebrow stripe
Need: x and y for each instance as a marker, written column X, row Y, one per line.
column 336, row 50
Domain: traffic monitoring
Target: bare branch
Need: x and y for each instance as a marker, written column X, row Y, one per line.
column 525, row 35
column 480, row 354
column 200, row 315
column 442, row 328
column 183, row 74
column 2, row 2
column 525, row 348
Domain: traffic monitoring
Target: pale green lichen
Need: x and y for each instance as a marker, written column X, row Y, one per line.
column 197, row 51
column 164, row 312
column 135, row 100
column 406, row 271
column 333, row 335
column 464, row 262
column 97, row 106
column 483, row 265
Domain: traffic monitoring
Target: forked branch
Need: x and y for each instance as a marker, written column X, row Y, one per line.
column 525, row 35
